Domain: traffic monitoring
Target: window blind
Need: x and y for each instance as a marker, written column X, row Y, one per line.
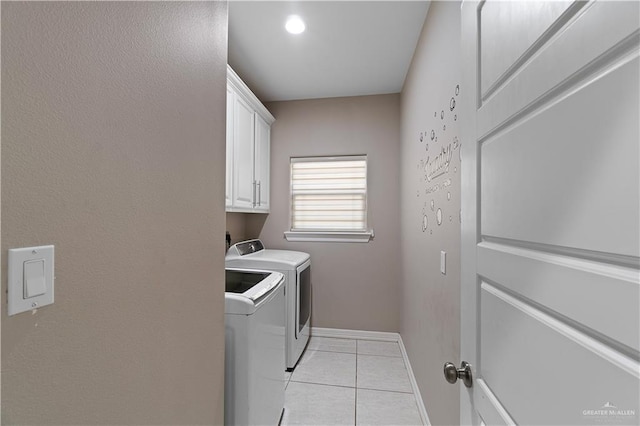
column 329, row 193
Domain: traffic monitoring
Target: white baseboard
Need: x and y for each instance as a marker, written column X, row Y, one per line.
column 416, row 391
column 380, row 336
column 354, row 334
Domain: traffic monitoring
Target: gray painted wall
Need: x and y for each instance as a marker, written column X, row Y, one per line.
column 113, row 141
column 237, row 227
column 430, row 314
column 355, row 285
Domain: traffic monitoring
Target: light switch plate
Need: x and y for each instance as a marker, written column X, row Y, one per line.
column 23, row 259
column 443, row 262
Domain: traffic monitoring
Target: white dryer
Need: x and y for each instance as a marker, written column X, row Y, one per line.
column 296, row 268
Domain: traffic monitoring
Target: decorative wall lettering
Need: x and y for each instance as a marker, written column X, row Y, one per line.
column 437, row 187
column 438, row 165
column 434, row 168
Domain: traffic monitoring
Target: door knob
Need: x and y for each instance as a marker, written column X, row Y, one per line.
column 452, row 374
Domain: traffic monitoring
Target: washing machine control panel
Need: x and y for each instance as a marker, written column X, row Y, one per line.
column 248, row 247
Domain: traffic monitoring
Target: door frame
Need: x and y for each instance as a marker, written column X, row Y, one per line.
column 470, row 199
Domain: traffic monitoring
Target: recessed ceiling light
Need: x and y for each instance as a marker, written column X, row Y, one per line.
column 295, row 24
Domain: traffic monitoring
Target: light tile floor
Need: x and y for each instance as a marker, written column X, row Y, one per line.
column 350, row 382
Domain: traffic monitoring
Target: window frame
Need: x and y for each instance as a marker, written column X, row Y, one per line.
column 334, row 235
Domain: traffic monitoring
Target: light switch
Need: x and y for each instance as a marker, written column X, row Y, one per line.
column 443, row 262
column 34, row 282
column 30, row 278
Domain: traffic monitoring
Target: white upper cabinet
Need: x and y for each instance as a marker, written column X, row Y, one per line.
column 261, row 162
column 248, row 149
column 229, row 176
column 243, row 154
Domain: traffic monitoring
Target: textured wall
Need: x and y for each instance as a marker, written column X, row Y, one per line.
column 113, row 139
column 355, row 285
column 430, row 209
column 237, row 226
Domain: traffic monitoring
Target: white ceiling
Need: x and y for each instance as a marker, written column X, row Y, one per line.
column 349, row 48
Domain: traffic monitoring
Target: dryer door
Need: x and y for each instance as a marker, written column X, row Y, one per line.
column 303, row 297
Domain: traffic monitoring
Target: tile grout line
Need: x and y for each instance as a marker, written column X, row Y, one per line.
column 335, row 352
column 387, row 390
column 382, row 356
column 324, row 384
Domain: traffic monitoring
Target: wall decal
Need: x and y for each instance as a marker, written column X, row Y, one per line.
column 441, row 142
column 437, row 186
column 439, row 165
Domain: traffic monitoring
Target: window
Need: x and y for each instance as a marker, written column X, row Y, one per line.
column 329, row 199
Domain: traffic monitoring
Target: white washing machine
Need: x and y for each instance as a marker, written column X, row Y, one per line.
column 296, row 267
column 254, row 347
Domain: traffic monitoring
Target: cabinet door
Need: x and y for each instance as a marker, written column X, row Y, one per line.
column 262, row 166
column 243, row 137
column 229, row 157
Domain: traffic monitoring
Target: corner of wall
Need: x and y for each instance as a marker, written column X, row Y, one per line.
column 430, row 206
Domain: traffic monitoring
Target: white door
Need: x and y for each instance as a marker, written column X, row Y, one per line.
column 243, row 180
column 262, row 165
column 551, row 217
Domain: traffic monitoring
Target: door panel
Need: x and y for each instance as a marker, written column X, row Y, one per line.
column 544, row 371
column 551, row 212
column 577, row 179
column 552, row 67
column 487, row 404
column 570, row 287
column 243, row 154
column 525, row 21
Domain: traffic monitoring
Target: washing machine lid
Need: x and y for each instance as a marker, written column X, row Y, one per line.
column 252, row 254
column 245, row 290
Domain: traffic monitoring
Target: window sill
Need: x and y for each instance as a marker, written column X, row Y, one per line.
column 330, row 236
